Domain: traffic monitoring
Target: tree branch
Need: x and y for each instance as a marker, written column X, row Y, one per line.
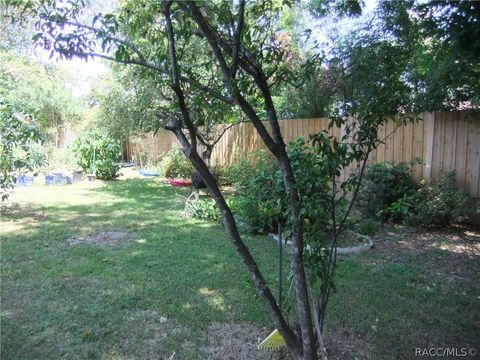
column 113, row 38
column 222, row 133
column 206, row 30
column 141, row 61
column 236, row 39
column 175, row 74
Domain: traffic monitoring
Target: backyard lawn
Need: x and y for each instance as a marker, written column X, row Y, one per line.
column 115, row 271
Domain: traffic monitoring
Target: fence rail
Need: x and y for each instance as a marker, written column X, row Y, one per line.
column 441, row 141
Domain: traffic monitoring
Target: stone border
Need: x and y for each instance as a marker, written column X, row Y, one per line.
column 351, row 250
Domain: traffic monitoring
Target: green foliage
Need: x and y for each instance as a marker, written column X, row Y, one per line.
column 59, row 158
column 401, row 208
column 204, row 209
column 98, row 153
column 128, row 102
column 322, row 8
column 19, row 150
column 38, row 90
column 440, row 203
column 383, row 191
column 261, row 200
column 410, row 57
column 223, row 175
column 368, row 227
column 175, row 165
column 312, row 99
column 259, row 194
column 389, row 193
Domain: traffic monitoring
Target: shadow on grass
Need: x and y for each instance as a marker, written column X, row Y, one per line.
column 58, row 298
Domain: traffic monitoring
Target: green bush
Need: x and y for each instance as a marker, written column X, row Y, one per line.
column 384, row 187
column 204, row 209
column 368, row 227
column 175, row 165
column 223, row 175
column 440, row 203
column 98, row 153
column 257, row 181
column 20, row 141
column 261, row 199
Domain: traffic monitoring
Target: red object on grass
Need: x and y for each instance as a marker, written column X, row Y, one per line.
column 180, row 182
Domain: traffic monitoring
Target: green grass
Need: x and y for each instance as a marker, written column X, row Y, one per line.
column 62, row 300
column 159, row 291
column 397, row 308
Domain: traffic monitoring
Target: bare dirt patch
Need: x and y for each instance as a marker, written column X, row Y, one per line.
column 239, row 341
column 149, row 336
column 346, row 345
column 110, row 237
column 453, row 253
column 11, row 226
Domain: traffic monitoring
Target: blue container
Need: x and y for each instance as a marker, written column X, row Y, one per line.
column 20, row 180
column 24, row 180
column 48, row 180
column 29, row 180
column 58, row 179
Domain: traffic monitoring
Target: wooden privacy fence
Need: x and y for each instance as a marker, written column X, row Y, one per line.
column 441, row 141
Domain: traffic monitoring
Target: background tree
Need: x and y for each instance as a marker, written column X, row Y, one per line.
column 37, row 90
column 429, row 56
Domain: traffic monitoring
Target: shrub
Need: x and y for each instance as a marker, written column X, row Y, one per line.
column 98, row 153
column 368, row 227
column 223, row 175
column 440, row 203
column 261, row 200
column 175, row 165
column 204, row 209
column 383, row 189
column 20, row 140
column 257, row 182
column 245, row 168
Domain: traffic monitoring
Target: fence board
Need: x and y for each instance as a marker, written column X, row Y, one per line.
column 473, row 158
column 428, row 145
column 438, row 144
column 398, row 146
column 407, row 142
column 417, row 149
column 381, row 148
column 461, row 150
column 389, row 141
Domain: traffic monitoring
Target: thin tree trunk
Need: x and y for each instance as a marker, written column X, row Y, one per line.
column 190, row 150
